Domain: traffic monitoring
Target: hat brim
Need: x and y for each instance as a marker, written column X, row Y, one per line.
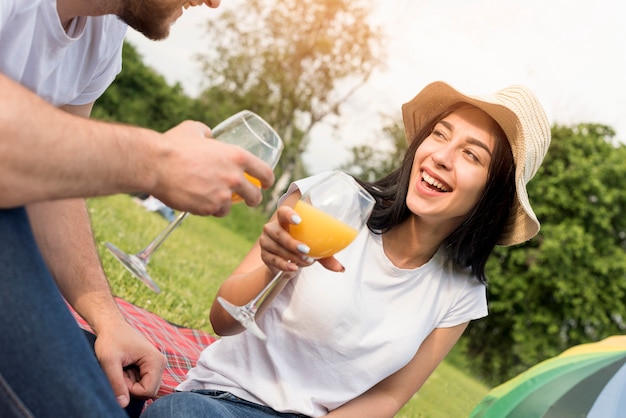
column 507, row 108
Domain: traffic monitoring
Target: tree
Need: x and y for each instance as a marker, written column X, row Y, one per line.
column 568, row 285
column 295, row 62
column 141, row 96
column 369, row 163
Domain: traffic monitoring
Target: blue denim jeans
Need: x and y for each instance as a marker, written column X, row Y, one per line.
column 209, row 404
column 47, row 368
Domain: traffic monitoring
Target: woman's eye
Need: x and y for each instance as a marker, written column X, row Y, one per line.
column 438, row 134
column 471, row 154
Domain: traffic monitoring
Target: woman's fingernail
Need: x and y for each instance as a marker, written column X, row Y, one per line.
column 342, row 269
column 307, row 259
column 304, row 249
column 296, row 219
column 292, row 266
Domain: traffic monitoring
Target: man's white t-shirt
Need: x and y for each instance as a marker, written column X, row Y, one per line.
column 331, row 336
column 62, row 68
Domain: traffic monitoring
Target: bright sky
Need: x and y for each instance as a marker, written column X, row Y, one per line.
column 572, row 54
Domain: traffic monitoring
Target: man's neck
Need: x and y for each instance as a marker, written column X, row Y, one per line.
column 69, row 9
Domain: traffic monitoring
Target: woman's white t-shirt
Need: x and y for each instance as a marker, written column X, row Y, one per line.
column 73, row 67
column 332, row 336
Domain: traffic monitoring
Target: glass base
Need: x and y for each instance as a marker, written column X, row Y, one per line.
column 245, row 317
column 135, row 265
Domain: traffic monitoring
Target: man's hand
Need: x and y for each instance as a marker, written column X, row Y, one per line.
column 199, row 174
column 132, row 364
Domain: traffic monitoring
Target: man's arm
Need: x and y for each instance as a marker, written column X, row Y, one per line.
column 47, row 154
column 64, row 235
column 44, row 153
column 63, row 232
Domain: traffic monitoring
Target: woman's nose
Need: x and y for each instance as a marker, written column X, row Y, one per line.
column 443, row 157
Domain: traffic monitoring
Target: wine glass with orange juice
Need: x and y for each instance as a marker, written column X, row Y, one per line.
column 333, row 212
column 244, row 129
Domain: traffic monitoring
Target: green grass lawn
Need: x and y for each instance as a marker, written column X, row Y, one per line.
column 198, row 255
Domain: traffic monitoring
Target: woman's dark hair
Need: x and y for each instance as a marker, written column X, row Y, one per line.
column 472, row 242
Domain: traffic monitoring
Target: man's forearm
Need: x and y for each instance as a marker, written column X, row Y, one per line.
column 63, row 232
column 46, row 153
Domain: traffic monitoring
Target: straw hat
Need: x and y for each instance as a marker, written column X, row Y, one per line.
column 523, row 120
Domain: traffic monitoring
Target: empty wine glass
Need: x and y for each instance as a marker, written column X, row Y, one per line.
column 245, row 129
column 333, row 211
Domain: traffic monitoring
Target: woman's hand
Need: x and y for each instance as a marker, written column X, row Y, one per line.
column 279, row 250
column 274, row 251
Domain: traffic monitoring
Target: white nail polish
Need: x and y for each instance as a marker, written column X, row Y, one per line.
column 304, row 249
column 296, row 219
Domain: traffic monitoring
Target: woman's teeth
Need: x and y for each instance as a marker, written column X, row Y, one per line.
column 434, row 183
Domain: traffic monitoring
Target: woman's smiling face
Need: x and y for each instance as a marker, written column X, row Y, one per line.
column 451, row 166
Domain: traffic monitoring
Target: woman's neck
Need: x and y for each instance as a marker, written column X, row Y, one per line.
column 412, row 243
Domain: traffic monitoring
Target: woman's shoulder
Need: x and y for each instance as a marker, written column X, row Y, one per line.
column 466, row 294
column 453, row 272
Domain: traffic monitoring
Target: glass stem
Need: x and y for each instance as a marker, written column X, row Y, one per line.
column 145, row 254
column 254, row 304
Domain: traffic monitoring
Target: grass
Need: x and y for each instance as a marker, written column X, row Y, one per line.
column 188, row 267
column 193, row 261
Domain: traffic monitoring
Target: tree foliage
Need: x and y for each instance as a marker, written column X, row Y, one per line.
column 371, row 163
column 141, row 96
column 294, row 62
column 567, row 286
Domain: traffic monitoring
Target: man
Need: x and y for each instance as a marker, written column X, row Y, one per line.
column 56, row 58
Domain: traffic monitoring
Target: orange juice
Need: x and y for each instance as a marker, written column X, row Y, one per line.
column 256, row 182
column 324, row 234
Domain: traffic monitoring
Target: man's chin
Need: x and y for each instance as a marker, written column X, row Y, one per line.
column 149, row 28
column 155, row 34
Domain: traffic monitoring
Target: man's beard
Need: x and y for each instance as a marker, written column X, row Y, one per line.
column 152, row 20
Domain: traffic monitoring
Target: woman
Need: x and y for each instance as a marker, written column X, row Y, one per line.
column 358, row 334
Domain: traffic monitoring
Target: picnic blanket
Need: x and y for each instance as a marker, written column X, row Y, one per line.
column 181, row 346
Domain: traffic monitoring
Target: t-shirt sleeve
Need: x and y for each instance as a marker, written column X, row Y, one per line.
column 6, row 9
column 470, row 304
column 9, row 9
column 100, row 82
column 112, row 43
